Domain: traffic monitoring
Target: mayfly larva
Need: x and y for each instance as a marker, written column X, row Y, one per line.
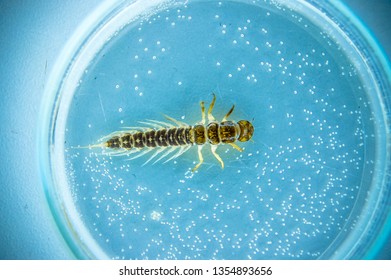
column 167, row 138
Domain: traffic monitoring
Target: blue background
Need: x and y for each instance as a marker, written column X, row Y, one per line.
column 32, row 34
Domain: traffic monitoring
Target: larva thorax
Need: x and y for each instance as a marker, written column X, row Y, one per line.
column 216, row 133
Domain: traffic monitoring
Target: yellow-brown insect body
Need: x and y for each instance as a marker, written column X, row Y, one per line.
column 165, row 138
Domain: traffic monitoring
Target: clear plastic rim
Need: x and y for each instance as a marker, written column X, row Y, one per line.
column 95, row 30
column 380, row 64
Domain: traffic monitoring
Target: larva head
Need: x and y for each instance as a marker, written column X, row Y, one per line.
column 246, row 130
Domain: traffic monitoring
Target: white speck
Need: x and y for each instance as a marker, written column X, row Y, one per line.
column 218, row 63
column 145, row 49
column 136, row 57
column 136, row 88
column 140, row 94
column 89, row 125
column 230, row 75
column 149, row 72
column 154, row 57
column 179, row 83
column 157, row 42
column 116, row 86
column 120, row 109
column 163, row 49
column 135, row 76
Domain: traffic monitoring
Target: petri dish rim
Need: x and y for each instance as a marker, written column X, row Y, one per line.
column 99, row 28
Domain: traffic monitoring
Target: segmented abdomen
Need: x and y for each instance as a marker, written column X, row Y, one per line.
column 177, row 136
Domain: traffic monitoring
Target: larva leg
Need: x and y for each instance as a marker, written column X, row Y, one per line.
column 213, row 149
column 228, row 114
column 236, row 147
column 212, row 104
column 203, row 112
column 200, row 158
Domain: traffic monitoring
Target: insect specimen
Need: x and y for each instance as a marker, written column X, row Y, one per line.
column 175, row 138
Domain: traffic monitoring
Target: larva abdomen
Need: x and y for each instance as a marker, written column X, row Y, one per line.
column 177, row 136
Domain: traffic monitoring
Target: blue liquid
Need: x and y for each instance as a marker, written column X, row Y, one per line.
column 295, row 192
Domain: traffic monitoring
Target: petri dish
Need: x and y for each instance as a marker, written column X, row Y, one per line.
column 312, row 184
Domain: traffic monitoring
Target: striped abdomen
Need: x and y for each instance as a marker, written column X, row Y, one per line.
column 177, row 136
